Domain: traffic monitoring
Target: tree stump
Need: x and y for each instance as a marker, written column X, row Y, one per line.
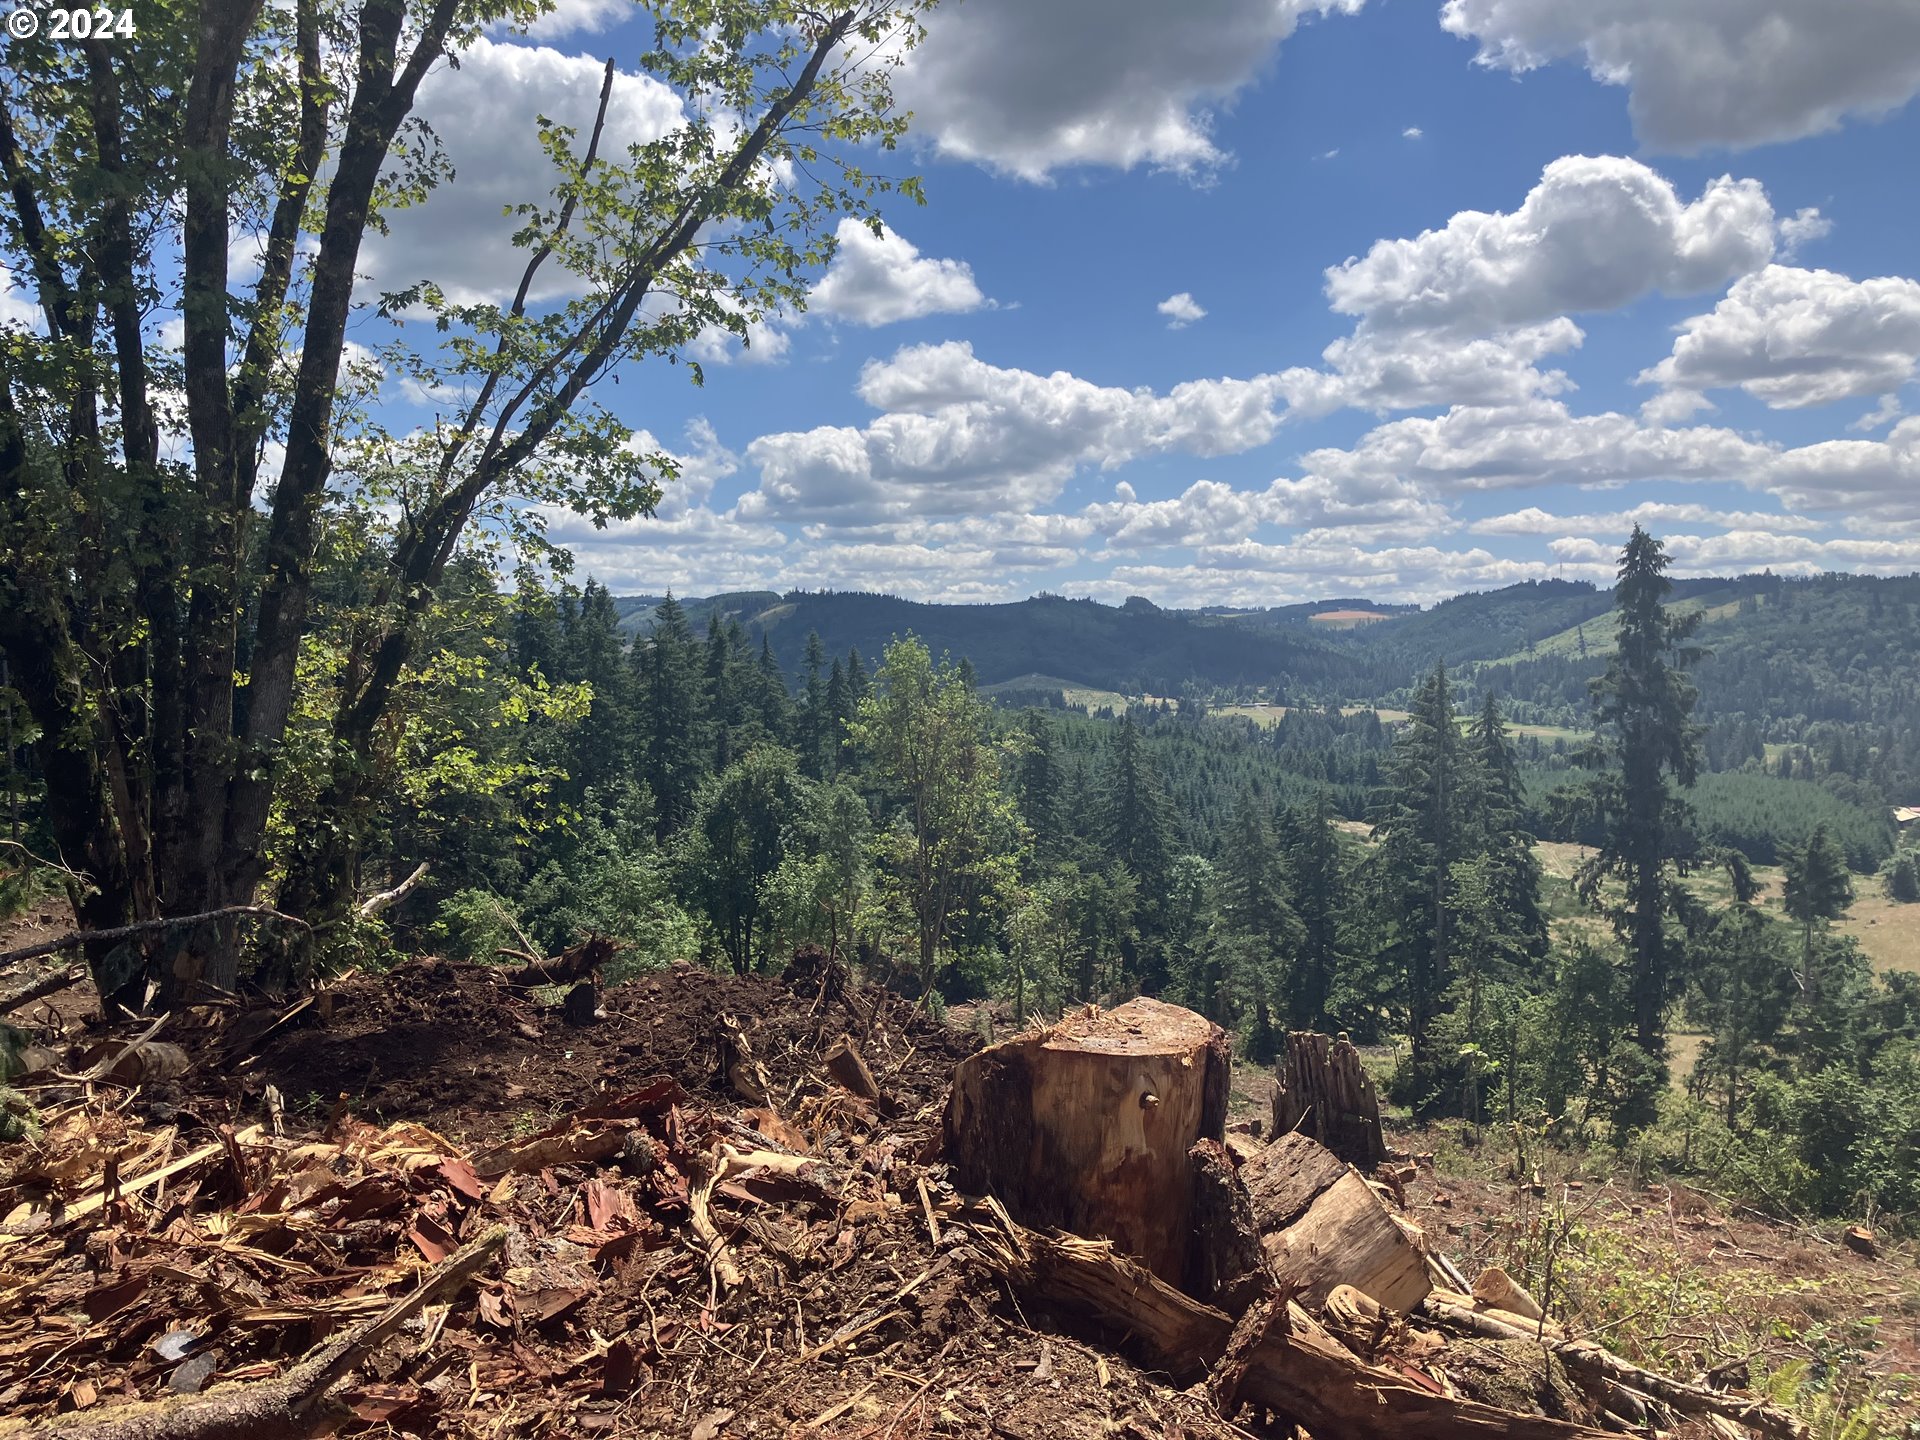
column 1086, row 1125
column 1326, row 1093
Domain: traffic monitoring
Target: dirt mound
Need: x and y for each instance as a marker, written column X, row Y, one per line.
column 452, row 1046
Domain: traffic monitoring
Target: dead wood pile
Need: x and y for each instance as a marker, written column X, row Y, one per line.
column 660, row 1262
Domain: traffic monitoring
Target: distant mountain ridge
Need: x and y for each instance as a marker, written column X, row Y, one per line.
column 1138, row 647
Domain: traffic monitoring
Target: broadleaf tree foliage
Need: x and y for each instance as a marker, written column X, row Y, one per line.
column 155, row 610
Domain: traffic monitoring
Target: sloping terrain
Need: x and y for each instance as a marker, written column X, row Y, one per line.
column 468, row 1217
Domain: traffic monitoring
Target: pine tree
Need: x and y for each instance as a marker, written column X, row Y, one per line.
column 1258, row 930
column 534, row 635
column 1645, row 735
column 673, row 716
column 1135, row 823
column 1422, row 823
column 772, row 705
column 839, row 714
column 1037, row 784
column 1499, row 817
column 1136, row 830
column 596, row 653
column 813, row 725
column 1819, row 889
column 1318, row 893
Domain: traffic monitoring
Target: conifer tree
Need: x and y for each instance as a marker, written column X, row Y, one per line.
column 772, row 704
column 596, row 654
column 839, row 713
column 1819, row 889
column 1646, row 737
column 672, row 716
column 1135, row 822
column 1319, row 898
column 1258, row 930
column 1422, row 824
column 813, row 725
column 1037, row 783
column 1499, row 806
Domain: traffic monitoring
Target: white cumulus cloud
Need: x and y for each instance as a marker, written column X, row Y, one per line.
column 1794, row 338
column 1707, row 73
column 1596, row 233
column 1181, row 310
column 1029, row 88
column 879, row 279
column 485, row 115
column 958, row 435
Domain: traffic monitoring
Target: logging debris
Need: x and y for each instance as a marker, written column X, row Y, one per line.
column 673, row 1260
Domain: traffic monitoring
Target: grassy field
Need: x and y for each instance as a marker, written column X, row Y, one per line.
column 1081, row 697
column 1273, row 714
column 1888, row 932
column 1599, row 631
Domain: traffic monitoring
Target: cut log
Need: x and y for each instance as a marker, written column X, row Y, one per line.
column 1086, row 1125
column 1326, row 1093
column 1456, row 1313
column 845, row 1065
column 1322, row 1226
column 1295, row 1368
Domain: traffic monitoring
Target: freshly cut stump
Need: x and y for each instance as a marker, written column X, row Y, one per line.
column 1086, row 1125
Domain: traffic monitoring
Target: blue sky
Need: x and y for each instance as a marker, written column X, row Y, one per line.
column 1578, row 262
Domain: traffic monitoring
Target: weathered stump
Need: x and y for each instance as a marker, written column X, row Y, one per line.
column 1325, row 1092
column 1087, row 1124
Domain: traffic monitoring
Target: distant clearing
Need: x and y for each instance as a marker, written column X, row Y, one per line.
column 1273, row 714
column 1888, row 932
column 1599, row 630
column 1080, row 697
column 1347, row 619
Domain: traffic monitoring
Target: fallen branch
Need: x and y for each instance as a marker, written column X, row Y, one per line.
column 1593, row 1359
column 1298, row 1369
column 267, row 1408
column 37, row 982
column 374, row 904
column 570, row 966
column 75, row 938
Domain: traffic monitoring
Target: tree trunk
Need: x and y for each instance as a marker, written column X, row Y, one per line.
column 1087, row 1124
column 1325, row 1092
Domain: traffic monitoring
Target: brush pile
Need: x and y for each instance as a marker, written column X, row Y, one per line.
column 744, row 1225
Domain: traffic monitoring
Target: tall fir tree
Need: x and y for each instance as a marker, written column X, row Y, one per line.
column 1818, row 890
column 1318, row 893
column 1499, row 808
column 1136, row 830
column 1037, row 784
column 595, row 653
column 839, row 714
column 672, row 716
column 1422, row 823
column 813, row 726
column 1646, row 738
column 1258, row 930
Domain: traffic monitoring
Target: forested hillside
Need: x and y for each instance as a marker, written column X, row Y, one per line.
column 1135, row 648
